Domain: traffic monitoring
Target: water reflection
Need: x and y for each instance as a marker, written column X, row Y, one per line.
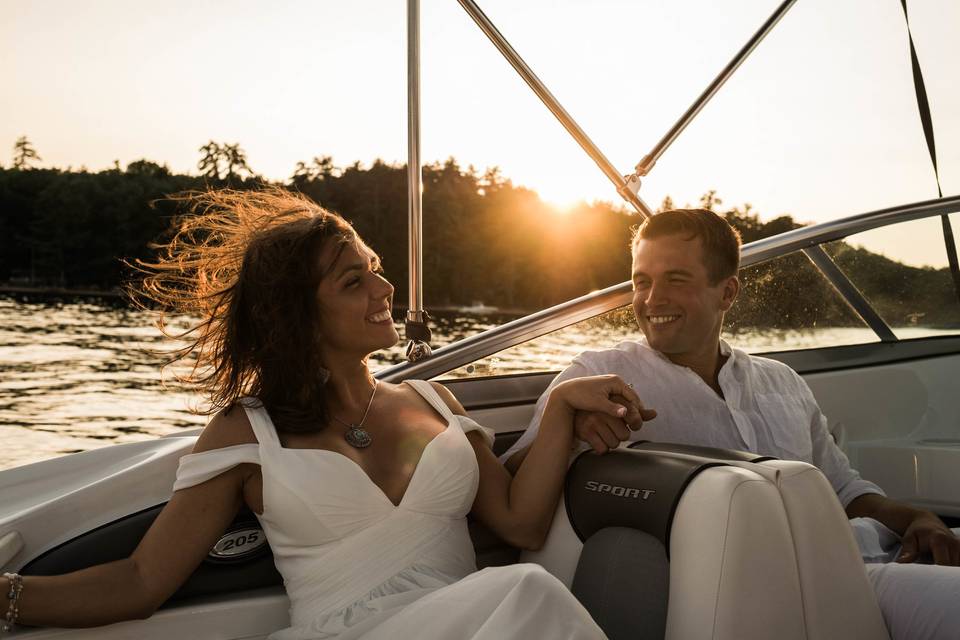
column 79, row 376
column 75, row 376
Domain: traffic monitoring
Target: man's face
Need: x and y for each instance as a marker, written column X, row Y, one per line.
column 677, row 308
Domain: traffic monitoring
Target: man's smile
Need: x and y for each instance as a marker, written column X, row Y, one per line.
column 662, row 319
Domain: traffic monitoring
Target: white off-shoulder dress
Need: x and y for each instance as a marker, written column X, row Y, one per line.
column 357, row 566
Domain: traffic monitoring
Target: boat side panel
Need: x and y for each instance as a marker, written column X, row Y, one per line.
column 252, row 615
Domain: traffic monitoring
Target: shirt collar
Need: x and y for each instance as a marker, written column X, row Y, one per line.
column 725, row 350
column 733, row 357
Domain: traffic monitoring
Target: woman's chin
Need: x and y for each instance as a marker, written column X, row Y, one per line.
column 393, row 343
column 391, row 338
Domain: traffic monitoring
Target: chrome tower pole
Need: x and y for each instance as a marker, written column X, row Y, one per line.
column 626, row 191
column 643, row 167
column 417, row 331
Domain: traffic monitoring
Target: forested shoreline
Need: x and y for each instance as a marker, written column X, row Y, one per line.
column 485, row 239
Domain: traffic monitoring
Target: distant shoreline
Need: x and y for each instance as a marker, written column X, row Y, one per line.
column 118, row 295
column 61, row 292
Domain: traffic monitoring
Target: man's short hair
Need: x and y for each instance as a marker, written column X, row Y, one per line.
column 720, row 241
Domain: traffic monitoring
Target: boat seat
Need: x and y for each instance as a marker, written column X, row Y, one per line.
column 118, row 539
column 735, row 546
column 608, row 583
column 491, row 550
column 699, row 546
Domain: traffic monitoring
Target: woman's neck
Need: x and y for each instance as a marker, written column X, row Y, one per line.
column 349, row 384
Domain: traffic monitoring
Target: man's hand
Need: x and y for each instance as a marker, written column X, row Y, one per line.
column 604, row 432
column 920, row 531
column 926, row 533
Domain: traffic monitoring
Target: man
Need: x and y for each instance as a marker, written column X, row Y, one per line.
column 699, row 390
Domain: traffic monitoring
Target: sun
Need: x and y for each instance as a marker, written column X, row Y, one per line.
column 562, row 198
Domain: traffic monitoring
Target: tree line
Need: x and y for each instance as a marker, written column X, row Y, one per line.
column 485, row 239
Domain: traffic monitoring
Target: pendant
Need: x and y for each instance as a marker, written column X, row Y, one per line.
column 358, row 437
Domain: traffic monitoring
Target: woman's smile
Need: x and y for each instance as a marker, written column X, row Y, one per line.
column 381, row 317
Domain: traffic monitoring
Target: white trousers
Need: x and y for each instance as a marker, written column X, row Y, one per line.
column 918, row 601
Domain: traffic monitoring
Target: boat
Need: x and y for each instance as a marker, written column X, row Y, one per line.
column 477, row 307
column 892, row 400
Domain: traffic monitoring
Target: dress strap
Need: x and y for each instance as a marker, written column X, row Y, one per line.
column 260, row 422
column 430, row 394
column 196, row 468
column 467, row 425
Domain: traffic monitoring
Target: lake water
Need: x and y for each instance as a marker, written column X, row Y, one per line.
column 77, row 376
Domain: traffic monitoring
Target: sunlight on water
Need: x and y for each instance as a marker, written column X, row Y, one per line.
column 78, row 376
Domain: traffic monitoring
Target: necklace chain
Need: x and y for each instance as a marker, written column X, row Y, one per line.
column 356, row 435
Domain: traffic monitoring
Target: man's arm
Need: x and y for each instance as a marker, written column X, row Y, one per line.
column 920, row 531
column 827, row 456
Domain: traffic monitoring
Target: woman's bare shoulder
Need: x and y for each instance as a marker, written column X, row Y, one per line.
column 227, row 428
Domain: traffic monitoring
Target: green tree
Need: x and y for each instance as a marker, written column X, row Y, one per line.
column 210, row 159
column 709, row 200
column 235, row 160
column 144, row 167
column 320, row 168
column 24, row 153
column 484, row 239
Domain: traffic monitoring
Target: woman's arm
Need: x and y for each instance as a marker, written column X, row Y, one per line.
column 517, row 452
column 172, row 548
column 520, row 508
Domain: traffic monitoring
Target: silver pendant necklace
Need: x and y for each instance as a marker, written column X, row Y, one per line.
column 356, row 436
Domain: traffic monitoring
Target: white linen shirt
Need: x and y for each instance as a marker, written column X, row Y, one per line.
column 766, row 408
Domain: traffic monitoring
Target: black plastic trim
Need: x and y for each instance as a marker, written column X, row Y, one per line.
column 859, row 356
column 116, row 540
column 668, row 472
column 698, row 450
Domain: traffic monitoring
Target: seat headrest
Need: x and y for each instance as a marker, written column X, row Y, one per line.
column 704, row 452
column 638, row 487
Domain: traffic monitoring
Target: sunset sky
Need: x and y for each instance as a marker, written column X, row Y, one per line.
column 819, row 123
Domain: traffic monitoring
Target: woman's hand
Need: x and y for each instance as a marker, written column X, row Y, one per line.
column 606, row 409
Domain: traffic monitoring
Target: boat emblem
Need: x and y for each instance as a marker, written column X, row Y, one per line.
column 618, row 491
column 238, row 544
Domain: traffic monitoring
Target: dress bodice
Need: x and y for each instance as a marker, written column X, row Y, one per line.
column 337, row 539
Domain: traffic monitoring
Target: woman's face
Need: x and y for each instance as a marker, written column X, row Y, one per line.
column 355, row 302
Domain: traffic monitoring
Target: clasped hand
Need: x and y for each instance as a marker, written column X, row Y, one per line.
column 606, row 410
column 926, row 533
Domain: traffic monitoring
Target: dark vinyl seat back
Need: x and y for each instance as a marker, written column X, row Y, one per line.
column 623, row 580
column 117, row 540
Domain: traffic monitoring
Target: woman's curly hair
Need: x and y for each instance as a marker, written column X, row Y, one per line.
column 246, row 264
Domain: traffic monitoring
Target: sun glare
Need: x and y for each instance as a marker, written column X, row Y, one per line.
column 562, row 209
column 562, row 198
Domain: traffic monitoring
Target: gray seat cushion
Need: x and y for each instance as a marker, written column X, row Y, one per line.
column 623, row 580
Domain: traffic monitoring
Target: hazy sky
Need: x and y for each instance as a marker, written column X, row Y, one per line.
column 820, row 122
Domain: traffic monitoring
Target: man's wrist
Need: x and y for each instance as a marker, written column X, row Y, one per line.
column 928, row 516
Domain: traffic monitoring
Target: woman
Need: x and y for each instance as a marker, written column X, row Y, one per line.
column 361, row 487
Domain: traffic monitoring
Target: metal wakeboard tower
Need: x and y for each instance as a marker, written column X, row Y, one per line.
column 627, row 186
column 416, row 327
